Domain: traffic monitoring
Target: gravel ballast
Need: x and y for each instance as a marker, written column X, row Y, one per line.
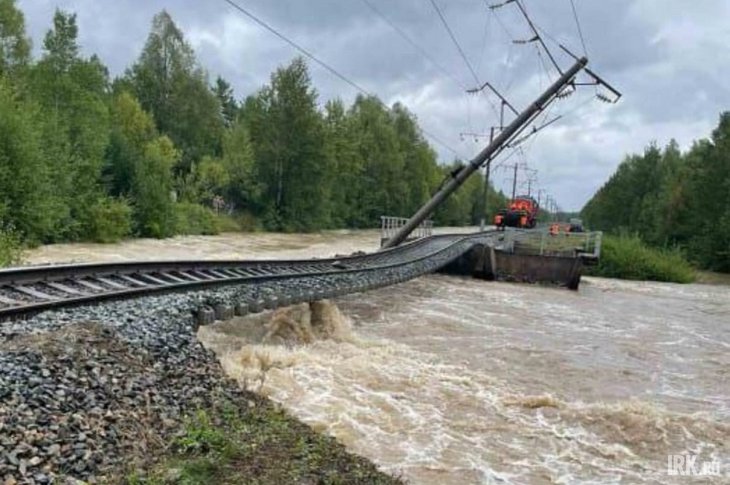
column 88, row 393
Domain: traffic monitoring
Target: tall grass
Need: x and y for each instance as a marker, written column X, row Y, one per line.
column 11, row 250
column 627, row 257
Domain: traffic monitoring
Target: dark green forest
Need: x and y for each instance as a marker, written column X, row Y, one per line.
column 672, row 199
column 162, row 149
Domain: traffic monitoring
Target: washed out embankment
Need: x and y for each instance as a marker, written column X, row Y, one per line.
column 106, row 393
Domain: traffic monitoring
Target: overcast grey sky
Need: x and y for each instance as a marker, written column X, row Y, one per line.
column 670, row 58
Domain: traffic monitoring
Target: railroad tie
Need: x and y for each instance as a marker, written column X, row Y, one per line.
column 108, row 282
column 133, row 281
column 63, row 288
column 201, row 274
column 173, row 278
column 153, row 279
column 89, row 285
column 218, row 274
column 190, row 276
column 27, row 290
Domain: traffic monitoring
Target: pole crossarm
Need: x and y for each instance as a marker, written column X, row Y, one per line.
column 489, row 152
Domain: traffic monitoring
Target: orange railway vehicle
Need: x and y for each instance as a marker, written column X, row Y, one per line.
column 522, row 213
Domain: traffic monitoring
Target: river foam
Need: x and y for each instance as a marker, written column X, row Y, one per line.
column 407, row 381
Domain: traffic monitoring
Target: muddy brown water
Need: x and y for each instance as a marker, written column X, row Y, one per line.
column 455, row 380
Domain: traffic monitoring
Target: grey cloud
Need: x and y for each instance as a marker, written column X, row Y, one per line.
column 669, row 58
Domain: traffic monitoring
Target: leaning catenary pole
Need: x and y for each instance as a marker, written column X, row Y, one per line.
column 454, row 183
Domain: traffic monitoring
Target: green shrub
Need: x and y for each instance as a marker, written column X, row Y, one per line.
column 627, row 257
column 111, row 220
column 247, row 222
column 10, row 248
column 226, row 223
column 195, row 219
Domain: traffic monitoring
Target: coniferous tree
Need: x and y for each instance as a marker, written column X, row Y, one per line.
column 669, row 198
column 227, row 101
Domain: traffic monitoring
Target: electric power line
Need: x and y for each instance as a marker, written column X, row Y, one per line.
column 456, row 42
column 462, row 54
column 499, row 20
column 414, row 44
column 485, row 38
column 301, row 49
column 324, row 65
column 580, row 30
column 538, row 38
column 423, row 53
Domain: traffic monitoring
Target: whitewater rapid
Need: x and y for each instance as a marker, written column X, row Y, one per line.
column 454, row 380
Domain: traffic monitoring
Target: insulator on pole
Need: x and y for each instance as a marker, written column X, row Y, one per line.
column 566, row 93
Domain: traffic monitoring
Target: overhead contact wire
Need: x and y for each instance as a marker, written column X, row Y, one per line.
column 323, row 64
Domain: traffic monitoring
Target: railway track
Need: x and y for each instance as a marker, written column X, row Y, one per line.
column 267, row 283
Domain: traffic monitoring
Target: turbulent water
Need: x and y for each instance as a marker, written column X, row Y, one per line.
column 455, row 380
column 449, row 380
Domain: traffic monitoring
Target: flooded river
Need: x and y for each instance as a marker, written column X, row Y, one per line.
column 453, row 380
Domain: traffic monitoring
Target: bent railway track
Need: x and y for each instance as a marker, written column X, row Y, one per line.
column 266, row 283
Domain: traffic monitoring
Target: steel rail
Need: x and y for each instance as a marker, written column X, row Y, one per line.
column 30, row 290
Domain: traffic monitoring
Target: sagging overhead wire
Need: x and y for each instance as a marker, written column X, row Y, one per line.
column 414, row 44
column 298, row 47
column 536, row 35
column 485, row 40
column 534, row 131
column 536, row 40
column 473, row 72
column 325, row 66
column 540, row 46
column 580, row 30
column 455, row 41
column 480, row 59
column 402, row 33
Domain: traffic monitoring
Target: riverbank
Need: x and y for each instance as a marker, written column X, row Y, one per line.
column 711, row 278
column 629, row 258
column 255, row 443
